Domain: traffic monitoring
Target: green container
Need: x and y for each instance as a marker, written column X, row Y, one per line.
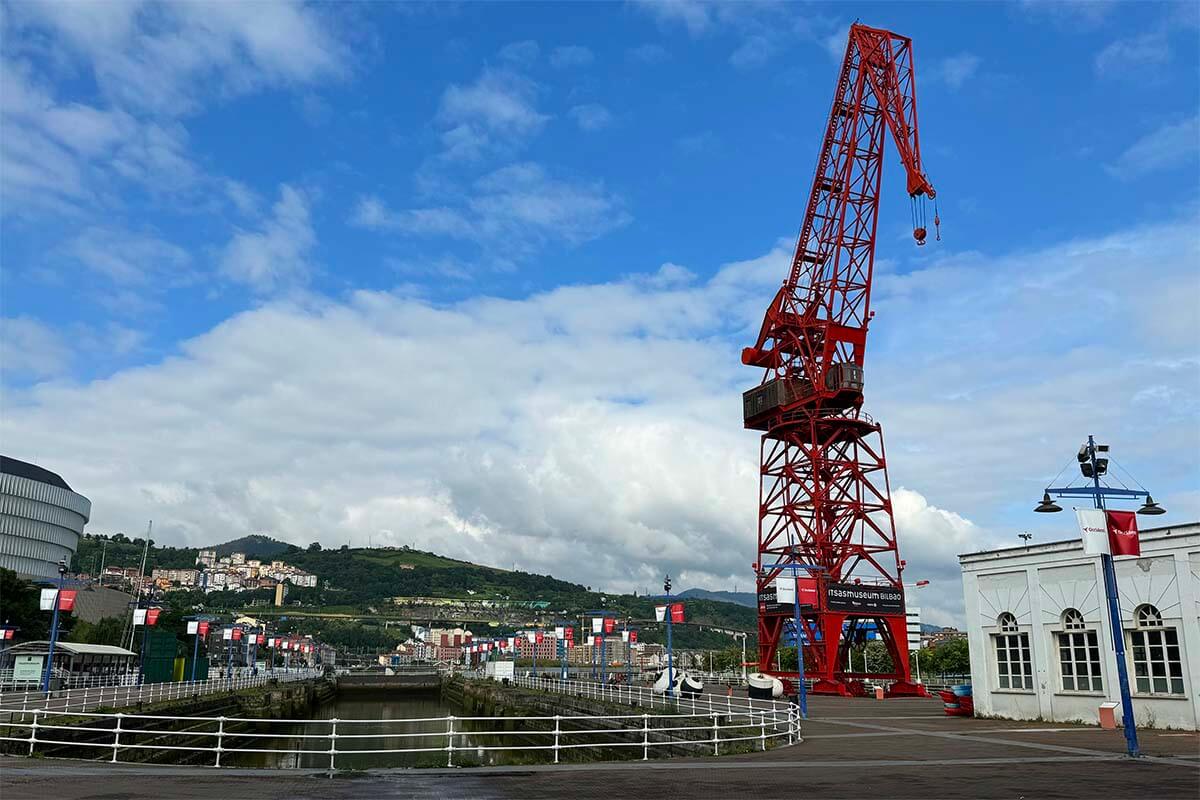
column 158, row 670
column 201, row 668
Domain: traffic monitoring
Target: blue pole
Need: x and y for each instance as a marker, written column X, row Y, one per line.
column 801, row 689
column 670, row 649
column 142, row 654
column 195, row 654
column 1114, row 619
column 603, row 655
column 53, row 635
column 628, row 657
column 534, row 649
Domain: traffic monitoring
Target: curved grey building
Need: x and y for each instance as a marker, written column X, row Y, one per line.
column 41, row 519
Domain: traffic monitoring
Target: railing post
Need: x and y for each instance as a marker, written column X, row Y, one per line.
column 556, row 732
column 33, row 732
column 450, row 743
column 117, row 737
column 716, row 747
column 220, row 739
column 645, row 737
column 332, row 743
column 762, row 721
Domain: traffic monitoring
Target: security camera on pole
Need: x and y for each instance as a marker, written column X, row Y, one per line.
column 1109, row 534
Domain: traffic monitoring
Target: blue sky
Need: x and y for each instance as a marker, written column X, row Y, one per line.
column 251, row 251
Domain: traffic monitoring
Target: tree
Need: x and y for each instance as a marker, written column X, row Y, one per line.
column 952, row 658
column 19, row 606
column 315, row 547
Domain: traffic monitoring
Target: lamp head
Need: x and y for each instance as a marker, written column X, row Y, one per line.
column 1047, row 506
column 1151, row 508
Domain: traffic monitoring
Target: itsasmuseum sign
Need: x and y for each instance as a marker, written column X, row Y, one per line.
column 858, row 598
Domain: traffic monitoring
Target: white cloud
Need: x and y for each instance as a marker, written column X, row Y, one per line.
column 497, row 111
column 697, row 16
column 572, row 55
column 126, row 257
column 520, row 53
column 161, row 57
column 648, row 54
column 277, row 255
column 753, row 52
column 957, row 70
column 590, row 116
column 512, row 211
column 592, row 431
column 1125, row 56
column 29, row 348
column 1171, row 145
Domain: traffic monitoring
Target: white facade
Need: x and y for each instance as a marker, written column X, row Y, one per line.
column 41, row 519
column 1041, row 647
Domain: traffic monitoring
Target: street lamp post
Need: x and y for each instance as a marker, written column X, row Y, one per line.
column 917, row 653
column 670, row 649
column 801, row 689
column 62, row 571
column 1093, row 462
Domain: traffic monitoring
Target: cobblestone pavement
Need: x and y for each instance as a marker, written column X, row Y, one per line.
column 853, row 748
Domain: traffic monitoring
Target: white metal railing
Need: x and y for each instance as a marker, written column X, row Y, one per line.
column 226, row 740
column 625, row 694
column 88, row 698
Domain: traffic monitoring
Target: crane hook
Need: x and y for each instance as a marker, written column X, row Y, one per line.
column 919, row 234
column 937, row 221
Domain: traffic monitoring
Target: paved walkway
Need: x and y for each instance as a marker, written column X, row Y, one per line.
column 853, row 748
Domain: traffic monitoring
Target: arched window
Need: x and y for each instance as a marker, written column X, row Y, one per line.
column 1157, row 662
column 1078, row 654
column 1147, row 616
column 1072, row 620
column 1014, row 662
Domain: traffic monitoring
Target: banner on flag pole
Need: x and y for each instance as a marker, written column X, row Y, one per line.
column 202, row 629
column 660, row 613
column 591, row 640
column 192, row 627
column 531, row 636
column 633, row 637
column 1123, row 533
column 66, row 600
column 597, row 624
column 609, row 624
column 1093, row 527
column 152, row 616
column 677, row 612
column 538, row 636
column 570, row 632
column 227, row 634
column 560, row 632
column 271, row 642
column 47, row 600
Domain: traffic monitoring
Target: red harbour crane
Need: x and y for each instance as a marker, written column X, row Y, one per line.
column 825, row 508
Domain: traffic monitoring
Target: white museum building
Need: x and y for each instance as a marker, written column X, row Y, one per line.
column 1037, row 623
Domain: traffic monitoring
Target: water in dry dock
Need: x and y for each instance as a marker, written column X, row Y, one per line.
column 397, row 720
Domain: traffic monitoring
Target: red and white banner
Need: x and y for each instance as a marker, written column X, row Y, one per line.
column 633, row 637
column 1112, row 533
column 66, row 600
column 202, row 629
column 677, row 612
column 152, row 615
column 537, row 637
column 570, row 632
column 609, row 624
column 237, row 634
column 7, row 633
column 47, row 600
column 660, row 613
column 1123, row 533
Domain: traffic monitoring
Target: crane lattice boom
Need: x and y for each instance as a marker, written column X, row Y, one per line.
column 824, row 495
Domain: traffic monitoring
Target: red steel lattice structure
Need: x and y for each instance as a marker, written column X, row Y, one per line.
column 824, row 496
